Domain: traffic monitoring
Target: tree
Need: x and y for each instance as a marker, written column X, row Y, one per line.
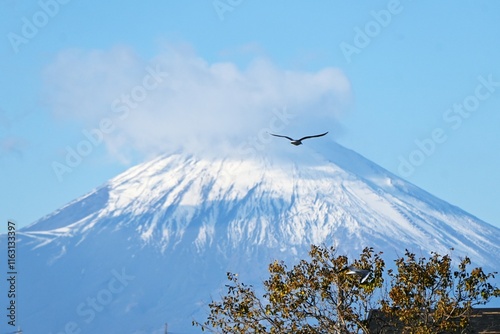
column 325, row 295
column 427, row 296
column 316, row 296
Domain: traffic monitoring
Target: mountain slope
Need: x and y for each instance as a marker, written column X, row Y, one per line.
column 153, row 244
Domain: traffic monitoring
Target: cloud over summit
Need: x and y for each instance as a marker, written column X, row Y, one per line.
column 180, row 100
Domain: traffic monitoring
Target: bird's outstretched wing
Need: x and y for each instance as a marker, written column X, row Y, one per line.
column 307, row 137
column 363, row 274
column 272, row 134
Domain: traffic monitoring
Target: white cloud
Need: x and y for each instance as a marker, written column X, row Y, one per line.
column 11, row 146
column 194, row 104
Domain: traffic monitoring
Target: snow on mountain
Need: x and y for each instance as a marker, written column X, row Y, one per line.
column 153, row 244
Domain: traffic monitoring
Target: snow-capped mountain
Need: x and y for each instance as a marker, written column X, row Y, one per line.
column 152, row 245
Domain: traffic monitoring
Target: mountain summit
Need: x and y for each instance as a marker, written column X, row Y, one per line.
column 153, row 244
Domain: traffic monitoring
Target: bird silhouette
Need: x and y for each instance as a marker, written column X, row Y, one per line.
column 298, row 142
column 361, row 273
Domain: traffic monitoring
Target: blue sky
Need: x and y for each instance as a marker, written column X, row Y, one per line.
column 413, row 86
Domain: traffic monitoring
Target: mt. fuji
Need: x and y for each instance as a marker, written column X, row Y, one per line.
column 152, row 245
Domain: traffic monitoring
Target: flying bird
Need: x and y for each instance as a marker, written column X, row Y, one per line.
column 361, row 273
column 298, row 142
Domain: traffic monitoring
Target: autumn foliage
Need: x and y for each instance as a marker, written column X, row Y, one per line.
column 428, row 296
column 321, row 295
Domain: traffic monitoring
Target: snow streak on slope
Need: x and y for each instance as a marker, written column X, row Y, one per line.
column 173, row 226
